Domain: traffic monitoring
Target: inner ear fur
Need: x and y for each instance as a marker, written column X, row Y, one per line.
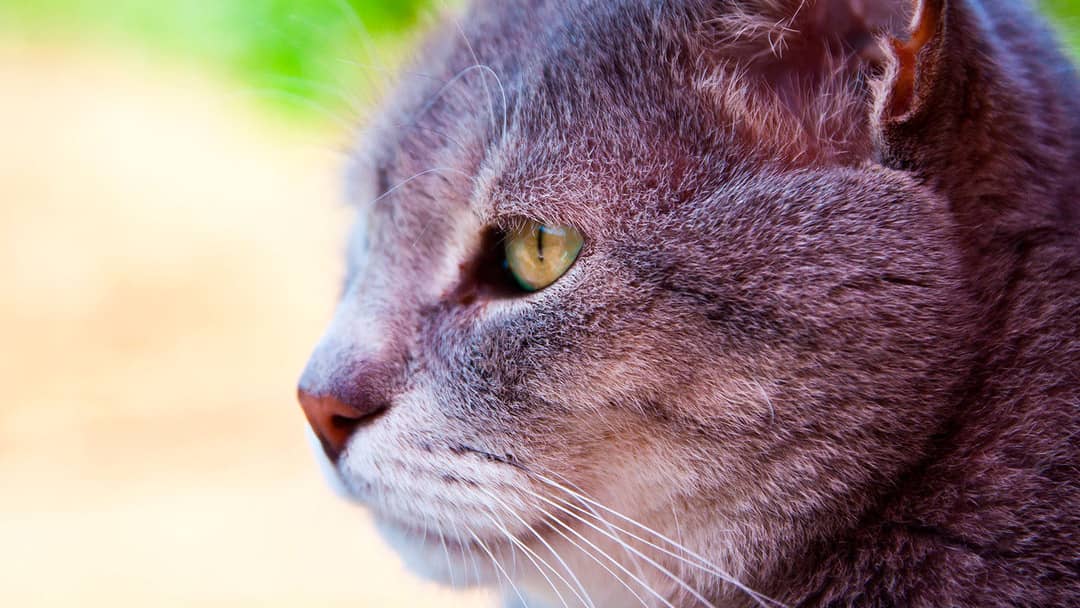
column 917, row 60
column 802, row 69
column 930, row 86
column 807, row 36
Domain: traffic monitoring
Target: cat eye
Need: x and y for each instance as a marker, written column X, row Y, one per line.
column 538, row 254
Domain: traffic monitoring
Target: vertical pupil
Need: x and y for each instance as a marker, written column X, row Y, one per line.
column 540, row 243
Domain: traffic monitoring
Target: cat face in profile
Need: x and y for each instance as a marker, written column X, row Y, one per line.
column 645, row 298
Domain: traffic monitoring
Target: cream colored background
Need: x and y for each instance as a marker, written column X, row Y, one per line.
column 167, row 259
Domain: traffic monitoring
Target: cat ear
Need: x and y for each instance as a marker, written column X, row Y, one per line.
column 937, row 79
column 915, row 74
column 807, row 39
column 809, row 59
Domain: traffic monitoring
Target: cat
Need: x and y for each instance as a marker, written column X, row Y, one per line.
column 719, row 303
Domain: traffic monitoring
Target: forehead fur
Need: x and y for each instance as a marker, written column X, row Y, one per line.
column 648, row 84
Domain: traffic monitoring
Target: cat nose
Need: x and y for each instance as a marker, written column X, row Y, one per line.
column 335, row 415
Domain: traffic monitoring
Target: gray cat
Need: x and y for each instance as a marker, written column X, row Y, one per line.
column 720, row 303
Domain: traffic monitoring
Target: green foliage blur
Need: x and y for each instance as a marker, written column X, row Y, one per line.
column 299, row 54
column 1066, row 15
column 295, row 54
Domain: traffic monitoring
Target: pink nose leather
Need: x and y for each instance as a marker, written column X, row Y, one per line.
column 334, row 421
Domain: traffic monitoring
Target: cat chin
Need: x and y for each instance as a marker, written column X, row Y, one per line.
column 426, row 556
column 423, row 554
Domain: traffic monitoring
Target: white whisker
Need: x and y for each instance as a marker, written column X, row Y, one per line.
column 701, row 563
column 614, row 561
column 530, row 555
column 476, row 568
column 678, row 581
column 348, row 98
column 364, row 34
column 282, row 95
column 630, row 557
column 498, row 566
column 678, row 531
column 416, row 176
column 461, row 550
column 443, row 89
column 442, row 134
column 476, row 60
column 587, row 600
column 387, row 72
column 446, row 552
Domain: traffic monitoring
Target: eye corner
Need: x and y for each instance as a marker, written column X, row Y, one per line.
column 512, row 260
column 489, row 271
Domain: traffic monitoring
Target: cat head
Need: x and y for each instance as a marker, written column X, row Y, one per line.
column 758, row 325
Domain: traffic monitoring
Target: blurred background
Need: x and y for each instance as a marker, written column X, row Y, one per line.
column 170, row 230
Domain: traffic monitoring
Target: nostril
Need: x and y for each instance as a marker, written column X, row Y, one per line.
column 351, row 422
column 335, row 421
column 343, row 422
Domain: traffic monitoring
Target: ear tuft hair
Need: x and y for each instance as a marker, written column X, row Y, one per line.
column 798, row 71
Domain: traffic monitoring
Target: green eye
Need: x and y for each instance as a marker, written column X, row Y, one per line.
column 539, row 254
